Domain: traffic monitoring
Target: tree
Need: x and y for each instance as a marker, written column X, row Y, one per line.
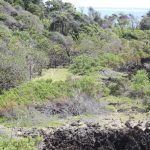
column 54, row 5
column 148, row 14
column 108, row 21
column 145, row 23
column 60, row 52
column 94, row 15
column 134, row 21
column 13, row 71
column 123, row 21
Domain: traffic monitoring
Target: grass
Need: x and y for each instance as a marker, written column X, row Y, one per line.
column 123, row 102
column 60, row 74
column 33, row 122
column 56, row 123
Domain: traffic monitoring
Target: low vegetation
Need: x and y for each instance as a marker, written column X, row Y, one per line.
column 15, row 144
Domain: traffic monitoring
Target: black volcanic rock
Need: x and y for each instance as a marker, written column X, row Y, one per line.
column 95, row 138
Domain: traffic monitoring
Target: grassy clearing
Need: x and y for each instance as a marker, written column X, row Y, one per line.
column 54, row 74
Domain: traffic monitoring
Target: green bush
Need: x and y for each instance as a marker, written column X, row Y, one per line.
column 32, row 22
column 12, row 72
column 136, row 34
column 110, row 60
column 5, row 32
column 2, row 17
column 36, row 10
column 16, row 144
column 140, row 84
column 40, row 91
column 90, row 85
column 34, row 91
column 83, row 65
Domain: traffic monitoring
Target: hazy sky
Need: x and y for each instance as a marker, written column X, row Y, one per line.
column 111, row 3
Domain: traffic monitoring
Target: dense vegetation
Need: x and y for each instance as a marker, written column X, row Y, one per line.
column 102, row 57
column 36, row 36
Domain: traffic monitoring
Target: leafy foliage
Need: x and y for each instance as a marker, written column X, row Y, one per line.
column 140, row 84
column 34, row 36
column 15, row 144
column 84, row 65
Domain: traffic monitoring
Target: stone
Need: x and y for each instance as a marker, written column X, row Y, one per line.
column 111, row 74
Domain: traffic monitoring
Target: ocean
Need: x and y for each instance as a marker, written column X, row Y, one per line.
column 137, row 12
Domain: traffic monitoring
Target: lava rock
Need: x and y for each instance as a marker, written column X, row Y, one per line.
column 94, row 138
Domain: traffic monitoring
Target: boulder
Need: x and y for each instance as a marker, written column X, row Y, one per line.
column 111, row 74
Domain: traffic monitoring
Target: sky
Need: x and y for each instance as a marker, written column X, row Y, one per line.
column 111, row 3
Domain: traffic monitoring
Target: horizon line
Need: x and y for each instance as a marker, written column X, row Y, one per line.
column 114, row 7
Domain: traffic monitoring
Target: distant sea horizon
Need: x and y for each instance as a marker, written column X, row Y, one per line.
column 137, row 12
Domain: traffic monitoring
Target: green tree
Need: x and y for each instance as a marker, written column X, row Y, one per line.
column 145, row 23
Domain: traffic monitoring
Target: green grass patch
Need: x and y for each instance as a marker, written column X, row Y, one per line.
column 16, row 144
column 60, row 74
column 56, row 123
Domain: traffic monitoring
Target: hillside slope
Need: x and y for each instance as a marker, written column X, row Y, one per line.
column 60, row 67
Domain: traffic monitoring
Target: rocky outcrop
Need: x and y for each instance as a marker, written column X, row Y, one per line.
column 131, row 135
column 93, row 137
column 146, row 63
column 132, row 67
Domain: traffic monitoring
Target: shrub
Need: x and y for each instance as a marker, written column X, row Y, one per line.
column 90, row 85
column 36, row 10
column 39, row 91
column 17, row 144
column 2, row 17
column 110, row 60
column 83, row 65
column 140, row 84
column 33, row 92
column 12, row 72
column 32, row 22
column 5, row 32
column 118, row 86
